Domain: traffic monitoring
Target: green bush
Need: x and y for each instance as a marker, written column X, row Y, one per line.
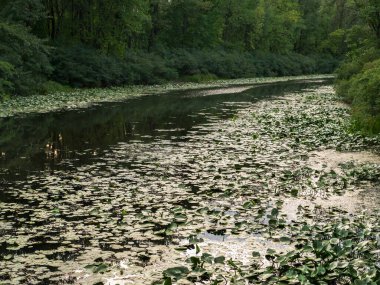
column 6, row 74
column 83, row 67
column 148, row 68
column 351, row 67
column 358, row 83
column 234, row 64
column 50, row 87
column 199, row 78
column 24, row 62
column 364, row 89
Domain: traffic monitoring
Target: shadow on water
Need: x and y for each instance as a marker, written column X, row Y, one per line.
column 39, row 142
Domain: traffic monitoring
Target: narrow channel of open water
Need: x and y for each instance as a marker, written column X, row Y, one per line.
column 80, row 185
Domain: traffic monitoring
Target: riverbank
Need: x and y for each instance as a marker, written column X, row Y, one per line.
column 83, row 98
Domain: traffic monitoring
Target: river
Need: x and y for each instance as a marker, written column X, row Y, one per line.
column 125, row 184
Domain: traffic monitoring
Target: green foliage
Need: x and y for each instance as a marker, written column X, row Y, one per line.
column 50, row 87
column 24, row 60
column 192, row 24
column 364, row 90
column 107, row 43
column 370, row 13
column 110, row 26
column 149, row 68
column 344, row 252
column 25, row 12
column 358, row 78
column 6, row 73
column 86, row 67
column 351, row 67
column 312, row 30
column 235, row 64
column 358, row 84
column 199, row 78
column 341, row 252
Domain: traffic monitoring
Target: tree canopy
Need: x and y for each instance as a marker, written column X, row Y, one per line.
column 58, row 31
column 113, row 26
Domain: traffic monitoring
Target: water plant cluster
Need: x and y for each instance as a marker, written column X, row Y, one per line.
column 326, row 245
column 148, row 212
column 332, row 250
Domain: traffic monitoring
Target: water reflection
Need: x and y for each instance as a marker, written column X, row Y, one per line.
column 40, row 142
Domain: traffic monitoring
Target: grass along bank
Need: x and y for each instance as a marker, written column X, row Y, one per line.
column 83, row 98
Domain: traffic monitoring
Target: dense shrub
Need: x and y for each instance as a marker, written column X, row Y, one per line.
column 364, row 90
column 149, row 68
column 6, row 74
column 24, row 62
column 25, row 67
column 350, row 68
column 358, row 83
column 234, row 64
column 83, row 67
column 199, row 78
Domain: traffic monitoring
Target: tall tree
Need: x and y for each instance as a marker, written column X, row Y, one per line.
column 282, row 20
column 370, row 12
column 193, row 24
column 243, row 23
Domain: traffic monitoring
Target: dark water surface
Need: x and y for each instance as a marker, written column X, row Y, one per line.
column 40, row 142
column 80, row 185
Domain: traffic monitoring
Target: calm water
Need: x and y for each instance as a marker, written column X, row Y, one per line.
column 81, row 185
column 40, row 142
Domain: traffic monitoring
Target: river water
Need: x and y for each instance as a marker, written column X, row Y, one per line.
column 125, row 183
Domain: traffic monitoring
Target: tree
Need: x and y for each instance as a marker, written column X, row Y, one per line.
column 242, row 23
column 23, row 12
column 370, row 11
column 192, row 24
column 282, row 20
column 24, row 60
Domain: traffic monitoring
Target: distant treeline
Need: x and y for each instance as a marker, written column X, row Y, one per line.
column 82, row 67
column 48, row 44
column 88, row 43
